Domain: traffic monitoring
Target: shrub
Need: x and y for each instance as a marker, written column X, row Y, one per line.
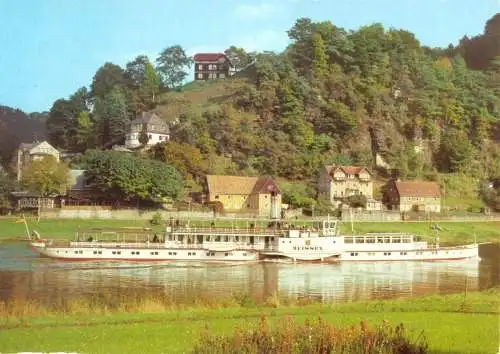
column 356, row 201
column 156, row 219
column 317, row 337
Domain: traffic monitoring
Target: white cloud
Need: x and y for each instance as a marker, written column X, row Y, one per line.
column 255, row 11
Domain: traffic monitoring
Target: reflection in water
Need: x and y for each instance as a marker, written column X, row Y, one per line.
column 23, row 275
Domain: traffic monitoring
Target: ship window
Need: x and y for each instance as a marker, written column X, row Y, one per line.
column 402, row 253
column 208, row 253
column 113, row 252
column 226, row 254
column 95, row 252
column 133, row 252
column 226, row 238
column 217, row 238
column 370, row 240
column 348, row 240
column 119, row 252
column 396, row 240
column 360, row 240
column 207, row 238
column 81, row 252
column 236, row 238
column 169, row 253
column 387, row 240
column 99, row 252
column 193, row 254
column 244, row 254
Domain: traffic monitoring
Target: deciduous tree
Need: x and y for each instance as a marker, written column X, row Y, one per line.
column 172, row 64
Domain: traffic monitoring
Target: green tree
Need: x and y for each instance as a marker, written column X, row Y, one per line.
column 320, row 63
column 185, row 158
column 144, row 81
column 456, row 152
column 108, row 77
column 45, row 177
column 6, row 187
column 238, row 56
column 64, row 119
column 131, row 178
column 172, row 64
column 111, row 118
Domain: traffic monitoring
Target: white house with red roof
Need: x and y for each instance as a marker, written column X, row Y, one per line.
column 211, row 66
column 339, row 182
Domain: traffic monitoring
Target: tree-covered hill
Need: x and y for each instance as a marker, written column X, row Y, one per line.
column 17, row 127
column 333, row 96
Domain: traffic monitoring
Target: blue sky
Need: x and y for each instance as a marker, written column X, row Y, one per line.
column 49, row 48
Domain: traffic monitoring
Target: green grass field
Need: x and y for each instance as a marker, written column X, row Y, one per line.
column 451, row 324
column 452, row 233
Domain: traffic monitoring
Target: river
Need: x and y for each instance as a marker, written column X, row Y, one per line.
column 24, row 275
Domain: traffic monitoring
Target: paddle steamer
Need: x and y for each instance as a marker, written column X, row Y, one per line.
column 198, row 244
column 279, row 241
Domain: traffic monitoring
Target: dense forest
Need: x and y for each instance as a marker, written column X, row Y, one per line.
column 332, row 96
column 17, row 127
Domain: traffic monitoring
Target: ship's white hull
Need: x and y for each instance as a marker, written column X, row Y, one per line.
column 143, row 254
column 430, row 254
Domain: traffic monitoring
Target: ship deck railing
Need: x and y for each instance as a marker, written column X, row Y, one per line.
column 230, row 231
column 213, row 246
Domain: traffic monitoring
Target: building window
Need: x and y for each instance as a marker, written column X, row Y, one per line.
column 200, row 67
column 222, row 76
column 200, row 75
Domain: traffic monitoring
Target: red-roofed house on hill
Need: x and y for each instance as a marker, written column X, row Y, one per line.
column 255, row 195
column 413, row 196
column 211, row 66
column 338, row 182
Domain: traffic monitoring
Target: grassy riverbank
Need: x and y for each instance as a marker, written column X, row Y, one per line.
column 451, row 232
column 452, row 323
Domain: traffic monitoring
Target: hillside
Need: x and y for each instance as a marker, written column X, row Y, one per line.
column 371, row 96
column 346, row 97
column 16, row 127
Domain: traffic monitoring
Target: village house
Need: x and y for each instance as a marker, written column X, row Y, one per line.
column 407, row 196
column 156, row 130
column 28, row 152
column 339, row 182
column 210, row 66
column 256, row 195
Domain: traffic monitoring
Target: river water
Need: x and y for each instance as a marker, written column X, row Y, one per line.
column 24, row 275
